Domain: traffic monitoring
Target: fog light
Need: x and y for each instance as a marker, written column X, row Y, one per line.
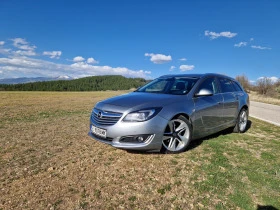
column 136, row 139
column 140, row 138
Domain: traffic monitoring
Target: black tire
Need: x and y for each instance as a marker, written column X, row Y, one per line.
column 241, row 121
column 177, row 135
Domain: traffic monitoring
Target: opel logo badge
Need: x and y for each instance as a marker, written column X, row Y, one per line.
column 99, row 115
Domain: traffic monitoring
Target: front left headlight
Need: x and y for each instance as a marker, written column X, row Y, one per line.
column 141, row 115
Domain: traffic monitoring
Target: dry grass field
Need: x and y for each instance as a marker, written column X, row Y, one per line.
column 47, row 161
column 265, row 99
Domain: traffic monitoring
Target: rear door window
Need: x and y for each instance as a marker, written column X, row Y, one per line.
column 226, row 85
column 236, row 86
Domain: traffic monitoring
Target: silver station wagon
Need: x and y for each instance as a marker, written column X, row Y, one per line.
column 167, row 113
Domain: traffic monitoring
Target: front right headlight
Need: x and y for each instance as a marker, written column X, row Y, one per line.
column 142, row 115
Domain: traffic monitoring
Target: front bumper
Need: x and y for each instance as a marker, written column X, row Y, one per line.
column 114, row 133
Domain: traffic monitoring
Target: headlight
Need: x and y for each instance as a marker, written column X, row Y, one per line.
column 141, row 115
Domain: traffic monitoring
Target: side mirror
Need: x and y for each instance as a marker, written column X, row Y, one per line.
column 204, row 92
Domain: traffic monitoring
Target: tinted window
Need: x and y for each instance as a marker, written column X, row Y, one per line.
column 209, row 84
column 157, row 86
column 226, row 85
column 170, row 85
column 182, row 85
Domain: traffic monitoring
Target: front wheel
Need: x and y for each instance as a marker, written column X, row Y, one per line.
column 177, row 135
column 241, row 123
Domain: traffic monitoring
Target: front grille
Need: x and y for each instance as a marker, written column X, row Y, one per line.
column 102, row 117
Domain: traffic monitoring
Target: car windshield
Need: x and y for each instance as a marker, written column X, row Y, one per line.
column 169, row 85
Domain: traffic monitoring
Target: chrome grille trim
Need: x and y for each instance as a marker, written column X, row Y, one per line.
column 103, row 117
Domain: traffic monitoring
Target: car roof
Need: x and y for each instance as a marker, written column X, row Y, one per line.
column 195, row 75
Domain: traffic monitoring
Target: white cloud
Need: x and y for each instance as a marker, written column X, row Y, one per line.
column 215, row 35
column 186, row 67
column 92, row 60
column 30, row 67
column 145, row 72
column 2, row 43
column 17, row 62
column 272, row 79
column 24, row 48
column 24, row 62
column 5, row 51
column 25, row 52
column 172, row 68
column 159, row 58
column 53, row 54
column 251, row 39
column 182, row 59
column 78, row 59
column 260, row 47
column 19, row 41
column 23, row 44
column 107, row 70
column 241, row 44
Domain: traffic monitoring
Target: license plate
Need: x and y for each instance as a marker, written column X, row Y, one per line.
column 98, row 131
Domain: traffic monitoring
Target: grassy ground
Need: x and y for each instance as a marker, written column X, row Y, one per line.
column 265, row 99
column 47, row 161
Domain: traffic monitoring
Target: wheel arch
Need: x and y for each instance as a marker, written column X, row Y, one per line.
column 244, row 107
column 184, row 115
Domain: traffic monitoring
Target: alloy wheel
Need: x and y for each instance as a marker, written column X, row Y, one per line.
column 176, row 136
column 243, row 118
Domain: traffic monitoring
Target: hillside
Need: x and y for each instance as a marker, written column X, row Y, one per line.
column 95, row 83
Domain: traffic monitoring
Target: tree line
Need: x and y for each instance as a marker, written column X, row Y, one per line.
column 95, row 83
column 264, row 85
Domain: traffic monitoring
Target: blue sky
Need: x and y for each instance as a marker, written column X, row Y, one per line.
column 147, row 38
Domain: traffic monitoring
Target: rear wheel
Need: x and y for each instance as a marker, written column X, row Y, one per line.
column 242, row 121
column 177, row 135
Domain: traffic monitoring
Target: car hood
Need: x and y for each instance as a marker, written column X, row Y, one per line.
column 141, row 100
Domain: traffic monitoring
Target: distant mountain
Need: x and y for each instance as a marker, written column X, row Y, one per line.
column 23, row 80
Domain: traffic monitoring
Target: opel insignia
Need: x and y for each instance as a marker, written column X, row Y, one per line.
column 167, row 113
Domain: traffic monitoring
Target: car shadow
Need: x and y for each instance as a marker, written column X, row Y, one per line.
column 143, row 152
column 266, row 208
column 195, row 143
column 227, row 131
column 249, row 125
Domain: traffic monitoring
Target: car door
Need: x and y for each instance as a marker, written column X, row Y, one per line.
column 208, row 108
column 231, row 102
